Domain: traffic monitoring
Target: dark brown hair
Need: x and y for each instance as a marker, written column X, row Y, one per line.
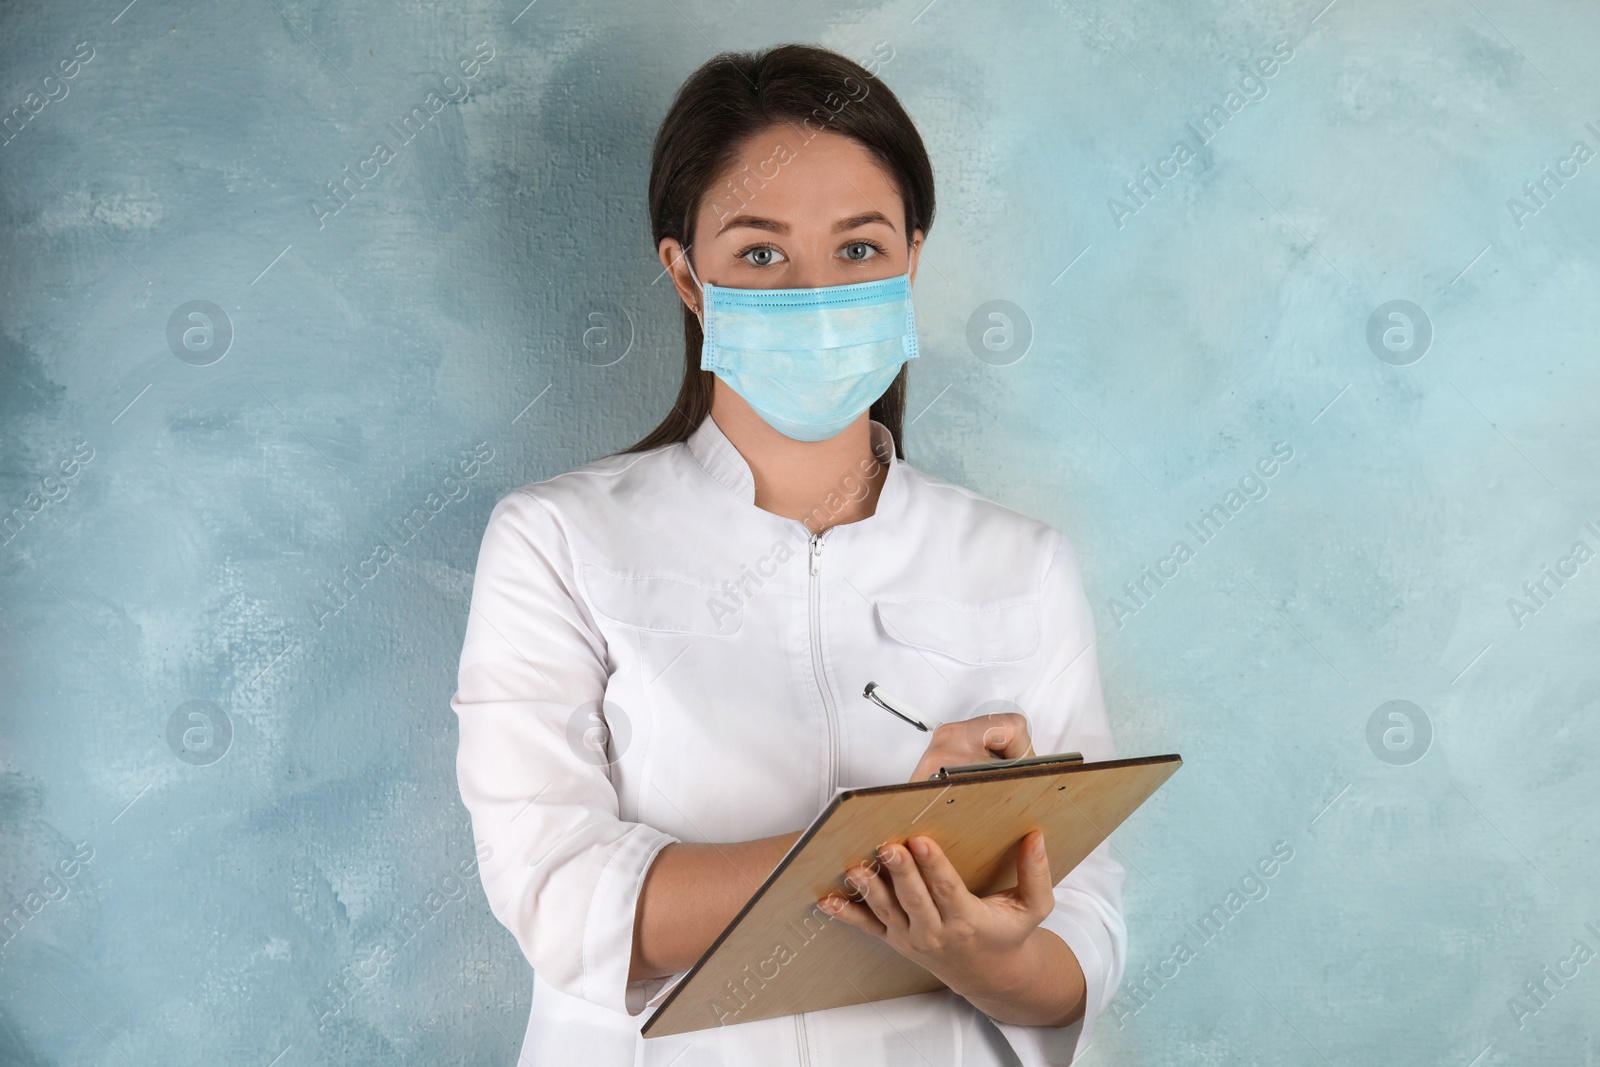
column 733, row 96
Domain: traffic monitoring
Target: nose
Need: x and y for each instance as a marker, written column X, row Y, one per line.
column 813, row 272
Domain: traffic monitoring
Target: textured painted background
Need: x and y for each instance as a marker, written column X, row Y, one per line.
column 179, row 507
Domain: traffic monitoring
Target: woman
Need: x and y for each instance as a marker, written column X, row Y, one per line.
column 661, row 677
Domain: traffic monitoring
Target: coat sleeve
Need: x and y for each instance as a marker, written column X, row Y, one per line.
column 561, row 869
column 1066, row 713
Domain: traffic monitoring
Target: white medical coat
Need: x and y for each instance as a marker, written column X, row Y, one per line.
column 651, row 658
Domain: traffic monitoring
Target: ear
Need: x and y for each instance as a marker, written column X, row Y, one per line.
column 671, row 253
column 916, row 248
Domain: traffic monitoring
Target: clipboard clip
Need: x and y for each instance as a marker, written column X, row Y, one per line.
column 1009, row 764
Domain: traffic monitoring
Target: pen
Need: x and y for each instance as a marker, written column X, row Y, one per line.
column 899, row 708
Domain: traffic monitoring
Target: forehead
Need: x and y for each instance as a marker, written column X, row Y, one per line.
column 780, row 174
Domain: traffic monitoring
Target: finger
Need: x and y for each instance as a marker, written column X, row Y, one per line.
column 1005, row 733
column 878, row 896
column 855, row 914
column 950, row 894
column 910, row 891
column 1034, row 891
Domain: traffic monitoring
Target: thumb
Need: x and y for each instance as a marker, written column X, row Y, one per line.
column 1035, row 889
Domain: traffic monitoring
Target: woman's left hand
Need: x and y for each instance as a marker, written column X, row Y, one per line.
column 926, row 913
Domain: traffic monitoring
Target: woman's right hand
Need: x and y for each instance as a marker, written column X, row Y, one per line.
column 998, row 735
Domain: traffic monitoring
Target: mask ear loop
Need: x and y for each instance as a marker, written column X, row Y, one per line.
column 698, row 283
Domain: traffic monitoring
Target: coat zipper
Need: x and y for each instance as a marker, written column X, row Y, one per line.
column 816, row 663
column 802, row 1045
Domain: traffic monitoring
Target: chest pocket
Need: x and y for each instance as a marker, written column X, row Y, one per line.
column 660, row 603
column 997, row 632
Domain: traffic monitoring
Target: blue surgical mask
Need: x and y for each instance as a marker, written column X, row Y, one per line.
column 809, row 361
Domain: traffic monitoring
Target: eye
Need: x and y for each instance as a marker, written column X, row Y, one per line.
column 760, row 255
column 861, row 251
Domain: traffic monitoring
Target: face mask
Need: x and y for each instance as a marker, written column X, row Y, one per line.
column 809, row 361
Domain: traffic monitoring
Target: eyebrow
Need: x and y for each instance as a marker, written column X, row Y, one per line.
column 756, row 222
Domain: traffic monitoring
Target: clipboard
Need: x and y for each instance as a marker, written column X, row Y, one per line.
column 782, row 954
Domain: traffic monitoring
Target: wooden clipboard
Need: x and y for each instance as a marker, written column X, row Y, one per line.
column 782, row 954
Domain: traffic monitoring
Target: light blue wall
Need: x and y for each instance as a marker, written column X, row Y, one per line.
column 373, row 351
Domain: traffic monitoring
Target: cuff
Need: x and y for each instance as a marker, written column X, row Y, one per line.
column 608, row 933
column 648, row 994
column 1048, row 1046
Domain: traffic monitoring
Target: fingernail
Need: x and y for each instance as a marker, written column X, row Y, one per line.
column 888, row 855
column 920, row 847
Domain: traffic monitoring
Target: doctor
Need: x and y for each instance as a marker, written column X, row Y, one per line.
column 661, row 678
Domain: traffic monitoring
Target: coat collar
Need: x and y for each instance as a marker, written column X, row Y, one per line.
column 727, row 467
